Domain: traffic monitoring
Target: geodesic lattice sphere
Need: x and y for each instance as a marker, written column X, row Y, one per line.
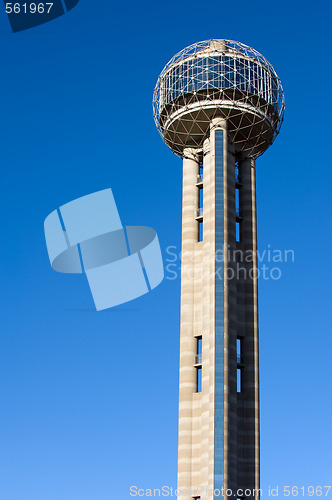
column 219, row 78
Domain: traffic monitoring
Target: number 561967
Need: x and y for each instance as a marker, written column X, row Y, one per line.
column 32, row 8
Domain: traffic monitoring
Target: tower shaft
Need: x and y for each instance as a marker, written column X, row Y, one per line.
column 219, row 374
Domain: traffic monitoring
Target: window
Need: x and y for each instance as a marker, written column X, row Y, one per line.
column 198, row 363
column 198, row 355
column 200, row 231
column 200, row 198
column 199, row 345
column 239, row 350
column 238, row 186
column 200, row 204
column 199, row 379
column 239, row 359
column 238, row 231
column 215, row 72
column 228, row 72
column 239, row 380
column 240, row 74
column 237, row 173
column 237, row 201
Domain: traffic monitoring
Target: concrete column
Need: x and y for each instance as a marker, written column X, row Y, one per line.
column 218, row 428
column 247, row 295
column 207, row 400
column 188, row 347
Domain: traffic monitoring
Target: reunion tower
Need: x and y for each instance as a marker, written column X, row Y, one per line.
column 218, row 104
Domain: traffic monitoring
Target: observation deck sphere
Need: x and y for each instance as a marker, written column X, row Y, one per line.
column 219, row 78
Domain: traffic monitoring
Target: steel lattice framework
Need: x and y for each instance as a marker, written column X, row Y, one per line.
column 219, row 78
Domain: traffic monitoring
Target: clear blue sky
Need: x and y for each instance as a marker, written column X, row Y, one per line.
column 89, row 400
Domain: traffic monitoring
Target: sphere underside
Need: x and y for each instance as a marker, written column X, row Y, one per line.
column 250, row 125
column 219, row 78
